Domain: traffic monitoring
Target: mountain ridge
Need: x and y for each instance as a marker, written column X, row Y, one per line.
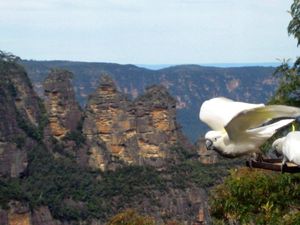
column 189, row 84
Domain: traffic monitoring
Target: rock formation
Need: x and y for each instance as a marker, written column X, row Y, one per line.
column 20, row 118
column 189, row 84
column 136, row 132
column 63, row 110
column 65, row 117
column 20, row 214
column 115, row 131
column 188, row 206
column 110, row 119
column 157, row 130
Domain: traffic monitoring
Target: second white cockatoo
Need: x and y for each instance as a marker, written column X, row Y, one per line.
column 240, row 128
column 288, row 146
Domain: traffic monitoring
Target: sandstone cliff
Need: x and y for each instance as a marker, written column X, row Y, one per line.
column 63, row 134
column 19, row 213
column 117, row 133
column 63, row 110
column 136, row 132
column 188, row 206
column 110, row 120
column 157, row 130
column 21, row 118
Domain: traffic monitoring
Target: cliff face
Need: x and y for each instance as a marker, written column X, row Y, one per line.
column 20, row 117
column 116, row 132
column 156, row 122
column 137, row 132
column 20, row 214
column 63, row 134
column 13, row 159
column 110, row 120
column 63, row 110
column 188, row 206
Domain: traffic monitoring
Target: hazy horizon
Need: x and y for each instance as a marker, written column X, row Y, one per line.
column 163, row 66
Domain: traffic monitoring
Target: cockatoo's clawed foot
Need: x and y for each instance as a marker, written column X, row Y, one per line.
column 253, row 156
column 259, row 157
column 283, row 168
column 250, row 163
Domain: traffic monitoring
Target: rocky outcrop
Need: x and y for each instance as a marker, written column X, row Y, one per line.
column 116, row 131
column 186, row 206
column 157, row 130
column 110, row 120
column 18, row 213
column 42, row 216
column 135, row 132
column 13, row 159
column 63, row 135
column 63, row 110
column 20, row 118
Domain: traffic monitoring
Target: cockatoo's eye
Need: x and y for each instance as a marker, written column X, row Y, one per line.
column 216, row 139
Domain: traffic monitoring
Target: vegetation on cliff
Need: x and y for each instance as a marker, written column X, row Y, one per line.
column 50, row 177
column 131, row 217
column 73, row 193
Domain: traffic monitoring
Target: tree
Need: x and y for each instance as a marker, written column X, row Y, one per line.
column 294, row 25
column 8, row 57
column 288, row 91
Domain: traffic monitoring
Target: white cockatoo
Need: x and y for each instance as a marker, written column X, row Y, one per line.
column 288, row 146
column 241, row 128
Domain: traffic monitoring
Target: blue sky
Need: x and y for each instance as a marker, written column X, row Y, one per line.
column 148, row 31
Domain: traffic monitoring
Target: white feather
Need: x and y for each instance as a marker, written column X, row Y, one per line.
column 270, row 130
column 289, row 146
column 217, row 112
column 238, row 127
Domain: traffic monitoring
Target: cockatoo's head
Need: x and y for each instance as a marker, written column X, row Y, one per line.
column 214, row 140
column 277, row 146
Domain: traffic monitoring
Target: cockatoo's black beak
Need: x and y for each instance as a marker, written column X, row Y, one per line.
column 209, row 144
column 276, row 153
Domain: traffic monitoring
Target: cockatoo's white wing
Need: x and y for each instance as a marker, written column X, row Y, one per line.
column 254, row 118
column 218, row 112
column 270, row 129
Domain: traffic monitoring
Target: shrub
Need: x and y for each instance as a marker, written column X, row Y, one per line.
column 256, row 197
column 28, row 128
column 130, row 217
column 75, row 136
